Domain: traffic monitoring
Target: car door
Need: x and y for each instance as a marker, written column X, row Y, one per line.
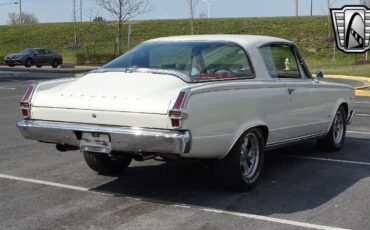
column 307, row 112
column 38, row 57
column 48, row 57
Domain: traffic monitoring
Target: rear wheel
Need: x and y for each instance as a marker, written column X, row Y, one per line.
column 103, row 164
column 334, row 140
column 242, row 167
column 11, row 65
column 38, row 66
column 28, row 63
column 55, row 63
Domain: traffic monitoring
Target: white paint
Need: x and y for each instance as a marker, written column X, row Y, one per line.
column 218, row 211
column 362, row 115
column 356, row 132
column 328, row 160
column 5, row 88
column 365, row 103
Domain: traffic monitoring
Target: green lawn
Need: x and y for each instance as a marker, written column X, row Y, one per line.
column 309, row 33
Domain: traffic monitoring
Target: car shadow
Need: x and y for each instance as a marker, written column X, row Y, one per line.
column 287, row 184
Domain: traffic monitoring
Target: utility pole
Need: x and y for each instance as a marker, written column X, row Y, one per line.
column 209, row 3
column 74, row 21
column 295, row 8
column 129, row 31
column 81, row 4
column 311, row 8
column 20, row 13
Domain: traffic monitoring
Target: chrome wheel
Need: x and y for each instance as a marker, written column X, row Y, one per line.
column 249, row 155
column 338, row 127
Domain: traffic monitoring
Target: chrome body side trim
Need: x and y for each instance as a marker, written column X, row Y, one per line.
column 292, row 141
column 125, row 139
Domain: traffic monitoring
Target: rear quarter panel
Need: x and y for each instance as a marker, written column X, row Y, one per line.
column 218, row 115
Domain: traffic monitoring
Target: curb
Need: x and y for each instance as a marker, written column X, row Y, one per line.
column 362, row 91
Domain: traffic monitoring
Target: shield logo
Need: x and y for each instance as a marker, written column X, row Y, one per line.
column 352, row 28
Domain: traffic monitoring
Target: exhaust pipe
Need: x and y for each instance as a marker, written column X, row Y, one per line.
column 143, row 157
column 65, row 148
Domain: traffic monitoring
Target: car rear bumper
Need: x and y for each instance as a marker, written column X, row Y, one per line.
column 125, row 139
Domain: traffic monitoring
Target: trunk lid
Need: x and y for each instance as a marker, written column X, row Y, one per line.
column 113, row 91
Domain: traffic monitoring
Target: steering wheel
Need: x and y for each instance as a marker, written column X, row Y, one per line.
column 222, row 70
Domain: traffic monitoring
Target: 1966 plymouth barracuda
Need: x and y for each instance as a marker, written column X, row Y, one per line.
column 222, row 97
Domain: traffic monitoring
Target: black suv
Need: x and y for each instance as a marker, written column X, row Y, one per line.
column 34, row 56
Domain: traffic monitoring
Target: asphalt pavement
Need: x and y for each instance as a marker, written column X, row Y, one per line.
column 301, row 187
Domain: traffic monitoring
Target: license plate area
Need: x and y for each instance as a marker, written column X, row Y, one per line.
column 95, row 142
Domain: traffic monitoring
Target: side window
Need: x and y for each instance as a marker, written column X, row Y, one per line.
column 40, row 52
column 281, row 61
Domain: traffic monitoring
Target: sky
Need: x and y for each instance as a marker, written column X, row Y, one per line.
column 61, row 10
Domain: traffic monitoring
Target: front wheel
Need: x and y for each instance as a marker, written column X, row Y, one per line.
column 105, row 165
column 333, row 141
column 55, row 63
column 241, row 168
column 28, row 63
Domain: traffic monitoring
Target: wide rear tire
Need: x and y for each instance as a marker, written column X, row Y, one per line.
column 334, row 140
column 242, row 167
column 105, row 165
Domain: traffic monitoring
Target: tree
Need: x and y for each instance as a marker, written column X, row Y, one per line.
column 192, row 6
column 27, row 18
column 123, row 11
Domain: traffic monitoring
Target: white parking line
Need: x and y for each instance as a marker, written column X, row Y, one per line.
column 219, row 211
column 5, row 88
column 357, row 132
column 364, row 103
column 362, row 115
column 326, row 159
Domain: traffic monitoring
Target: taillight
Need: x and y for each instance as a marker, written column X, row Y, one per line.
column 176, row 114
column 26, row 101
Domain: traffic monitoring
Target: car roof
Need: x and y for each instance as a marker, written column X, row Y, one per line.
column 248, row 41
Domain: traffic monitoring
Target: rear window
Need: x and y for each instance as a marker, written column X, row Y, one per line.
column 199, row 60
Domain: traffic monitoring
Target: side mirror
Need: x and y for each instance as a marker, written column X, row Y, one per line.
column 320, row 75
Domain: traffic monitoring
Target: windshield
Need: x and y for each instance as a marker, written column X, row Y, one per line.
column 27, row 51
column 198, row 60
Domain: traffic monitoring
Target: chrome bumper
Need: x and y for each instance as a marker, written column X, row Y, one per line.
column 125, row 139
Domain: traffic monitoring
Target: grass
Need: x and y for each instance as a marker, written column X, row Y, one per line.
column 310, row 34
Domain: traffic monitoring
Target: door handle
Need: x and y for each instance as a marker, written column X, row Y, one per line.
column 291, row 90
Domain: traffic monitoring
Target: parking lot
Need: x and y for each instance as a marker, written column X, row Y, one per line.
column 301, row 187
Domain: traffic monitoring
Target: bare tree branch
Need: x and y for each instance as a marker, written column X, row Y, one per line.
column 27, row 18
column 123, row 11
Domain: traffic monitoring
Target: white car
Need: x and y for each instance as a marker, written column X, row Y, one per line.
column 222, row 97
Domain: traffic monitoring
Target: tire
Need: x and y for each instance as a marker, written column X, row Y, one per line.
column 334, row 140
column 39, row 66
column 234, row 170
column 55, row 63
column 28, row 63
column 11, row 65
column 105, row 165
